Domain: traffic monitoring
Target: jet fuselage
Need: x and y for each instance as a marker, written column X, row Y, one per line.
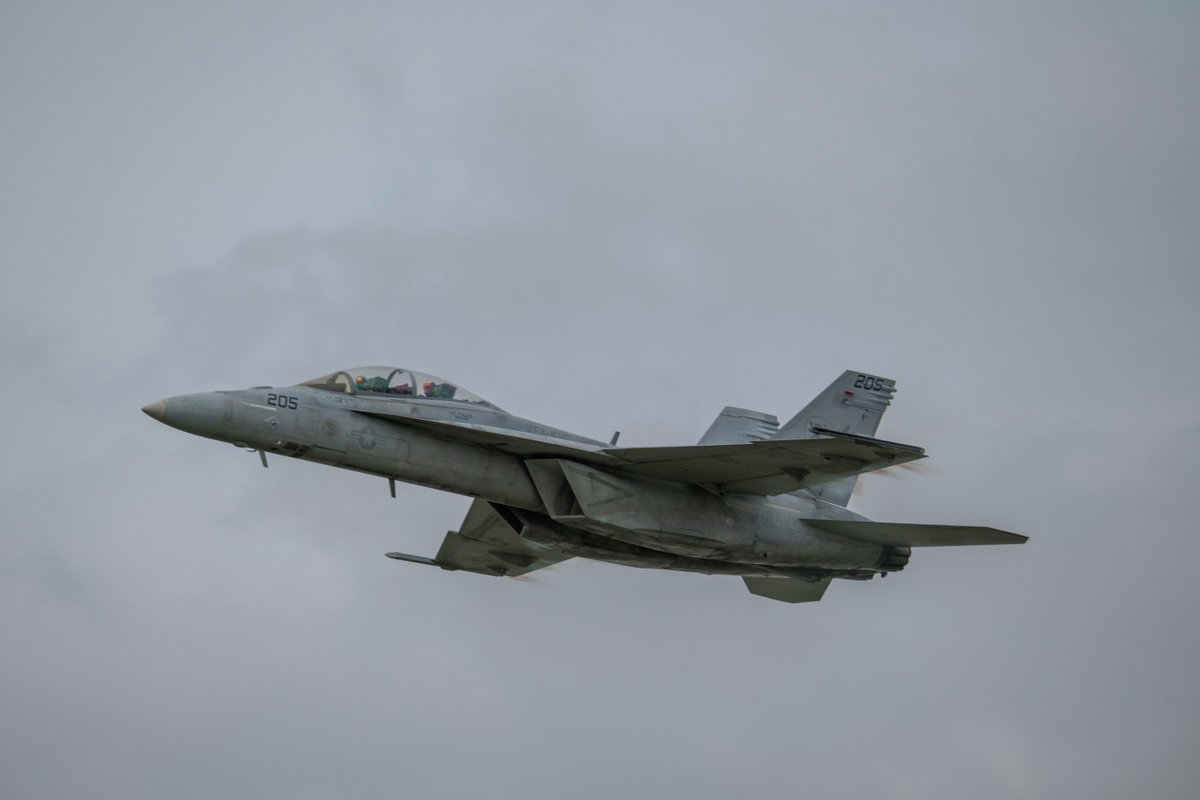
column 593, row 510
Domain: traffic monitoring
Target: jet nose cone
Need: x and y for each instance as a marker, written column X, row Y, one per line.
column 157, row 410
column 204, row 414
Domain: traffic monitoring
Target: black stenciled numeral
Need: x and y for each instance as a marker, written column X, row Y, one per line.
column 282, row 401
column 858, row 384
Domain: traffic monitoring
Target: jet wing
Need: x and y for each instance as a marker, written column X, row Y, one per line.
column 788, row 590
column 767, row 467
column 771, row 466
column 488, row 545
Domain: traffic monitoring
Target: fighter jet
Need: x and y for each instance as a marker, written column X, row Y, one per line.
column 754, row 499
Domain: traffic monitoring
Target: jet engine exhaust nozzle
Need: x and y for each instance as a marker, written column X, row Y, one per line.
column 895, row 558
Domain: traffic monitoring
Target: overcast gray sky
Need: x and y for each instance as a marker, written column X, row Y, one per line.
column 601, row 216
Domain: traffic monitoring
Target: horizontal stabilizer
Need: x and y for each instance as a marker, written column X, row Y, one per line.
column 433, row 562
column 905, row 535
column 788, row 590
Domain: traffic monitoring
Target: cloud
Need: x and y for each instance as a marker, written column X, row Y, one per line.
column 618, row 218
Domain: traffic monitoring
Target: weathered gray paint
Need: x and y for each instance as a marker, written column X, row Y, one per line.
column 549, row 494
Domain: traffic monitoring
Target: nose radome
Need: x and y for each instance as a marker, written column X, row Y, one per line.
column 204, row 414
column 156, row 410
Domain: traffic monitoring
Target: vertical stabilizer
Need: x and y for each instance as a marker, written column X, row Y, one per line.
column 854, row 403
column 740, row 425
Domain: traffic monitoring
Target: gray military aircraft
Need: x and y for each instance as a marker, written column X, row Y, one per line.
column 752, row 499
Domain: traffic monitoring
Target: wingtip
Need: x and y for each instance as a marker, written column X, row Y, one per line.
column 432, row 562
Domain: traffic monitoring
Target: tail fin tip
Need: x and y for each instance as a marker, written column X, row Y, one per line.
column 852, row 404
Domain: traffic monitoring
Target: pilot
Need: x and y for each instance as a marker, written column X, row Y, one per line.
column 375, row 384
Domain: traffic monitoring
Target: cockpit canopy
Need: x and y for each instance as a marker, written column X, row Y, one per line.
column 394, row 382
